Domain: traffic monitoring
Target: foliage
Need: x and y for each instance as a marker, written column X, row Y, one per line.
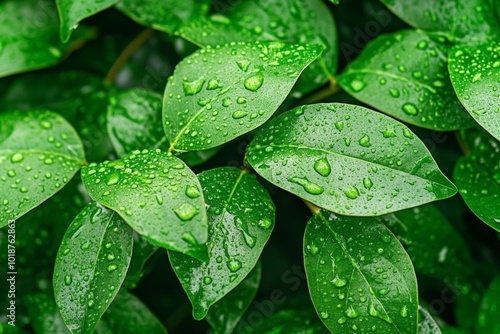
column 281, row 166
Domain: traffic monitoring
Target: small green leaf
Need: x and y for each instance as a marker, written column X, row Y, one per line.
column 487, row 318
column 347, row 159
column 170, row 211
column 44, row 314
column 127, row 314
column 224, row 315
column 358, row 264
column 405, row 75
column 71, row 12
column 163, row 15
column 90, row 267
column 143, row 250
column 39, row 153
column 29, row 36
column 475, row 74
column 220, row 93
column 478, row 178
column 241, row 216
column 426, row 323
column 460, row 21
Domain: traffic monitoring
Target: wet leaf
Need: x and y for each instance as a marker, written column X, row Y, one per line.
column 241, row 219
column 426, row 323
column 405, row 75
column 29, row 39
column 163, row 15
column 220, row 93
column 487, row 318
column 39, row 153
column 475, row 74
column 359, row 275
column 224, row 315
column 142, row 252
column 347, row 159
column 463, row 21
column 44, row 314
column 90, row 267
column 157, row 195
column 71, row 12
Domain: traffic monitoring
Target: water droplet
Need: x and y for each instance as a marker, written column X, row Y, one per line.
column 264, row 223
column 207, row 280
column 254, row 82
column 212, row 84
column 322, row 166
column 339, row 282
column 313, row 249
column 404, row 311
column 189, row 238
column 16, row 157
column 243, row 64
column 310, row 187
column 112, row 267
column 192, row 191
column 365, row 141
column 67, row 280
column 113, row 179
column 239, row 114
column 339, row 125
column 367, row 182
column 46, row 124
column 394, row 92
column 193, row 87
column 11, row 173
column 324, row 315
column 342, row 320
column 186, row 211
column 351, row 313
column 357, row 85
column 234, row 265
column 159, row 199
column 410, row 108
column 422, row 45
column 351, row 192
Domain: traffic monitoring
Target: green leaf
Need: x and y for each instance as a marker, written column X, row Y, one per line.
column 475, row 74
column 44, row 314
column 71, row 12
column 142, row 252
column 463, row 21
column 405, row 75
column 434, row 246
column 29, row 37
column 170, row 211
column 134, row 122
column 90, row 267
column 6, row 328
column 224, row 315
column 241, row 87
column 487, row 318
column 39, row 153
column 347, row 159
column 241, row 216
column 426, row 323
column 163, row 15
column 359, row 275
column 128, row 315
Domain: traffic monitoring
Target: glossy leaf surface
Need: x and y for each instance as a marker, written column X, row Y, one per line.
column 362, row 282
column 487, row 319
column 157, row 195
column 220, row 93
column 405, row 75
column 39, row 153
column 91, row 264
column 241, row 219
column 348, row 159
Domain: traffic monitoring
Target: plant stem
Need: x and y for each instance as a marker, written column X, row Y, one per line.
column 461, row 143
column 332, row 89
column 314, row 209
column 127, row 53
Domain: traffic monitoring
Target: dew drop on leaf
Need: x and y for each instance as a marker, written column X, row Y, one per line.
column 322, row 166
column 254, row 82
column 310, row 187
column 186, row 211
column 410, row 108
column 193, row 87
column 16, row 157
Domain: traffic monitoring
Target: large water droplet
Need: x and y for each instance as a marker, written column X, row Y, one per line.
column 351, row 313
column 239, row 114
column 186, row 211
column 357, row 85
column 322, row 166
column 192, row 191
column 410, row 108
column 339, row 282
column 367, row 182
column 243, row 64
column 365, row 141
column 404, row 311
column 264, row 223
column 310, row 187
column 234, row 265
column 16, row 157
column 193, row 87
column 67, row 280
column 113, row 179
column 254, row 82
column 351, row 192
column 112, row 267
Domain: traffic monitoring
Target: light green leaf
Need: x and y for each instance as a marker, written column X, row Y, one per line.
column 241, row 216
column 134, row 122
column 224, row 315
column 163, row 15
column 475, row 74
column 128, row 315
column 90, row 267
column 463, row 21
column 156, row 194
column 44, row 314
column 71, row 12
column 220, row 93
column 405, row 75
column 478, row 178
column 143, row 250
column 426, row 323
column 487, row 318
column 359, row 275
column 347, row 159
column 29, row 36
column 39, row 153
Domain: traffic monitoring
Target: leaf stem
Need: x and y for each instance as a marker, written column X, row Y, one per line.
column 127, row 53
column 247, row 168
column 332, row 89
column 461, row 143
column 314, row 209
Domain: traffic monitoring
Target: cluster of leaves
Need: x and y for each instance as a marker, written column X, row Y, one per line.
column 109, row 163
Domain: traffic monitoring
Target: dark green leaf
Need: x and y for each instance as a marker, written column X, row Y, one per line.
column 475, row 74
column 359, row 275
column 405, row 75
column 487, row 319
column 39, row 153
column 241, row 216
column 128, row 315
column 426, row 323
column 29, row 36
column 224, row 315
column 347, row 159
column 163, row 15
column 141, row 253
column 156, row 194
column 220, row 93
column 6, row 328
column 71, row 12
column 44, row 314
column 91, row 264
column 459, row 20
